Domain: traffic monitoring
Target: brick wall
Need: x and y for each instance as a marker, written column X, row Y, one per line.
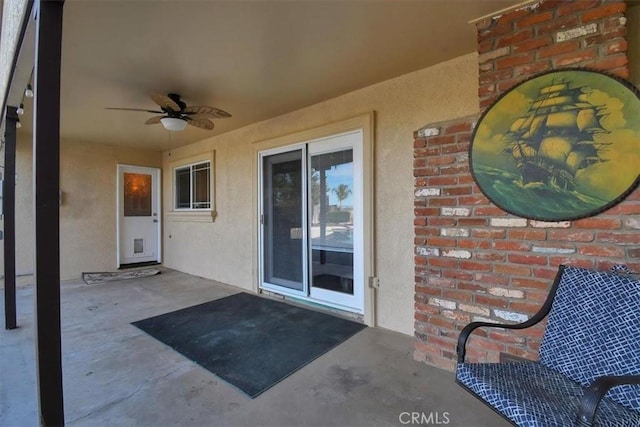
column 474, row 261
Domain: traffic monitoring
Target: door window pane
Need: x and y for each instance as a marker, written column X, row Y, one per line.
column 283, row 220
column 332, row 225
column 137, row 194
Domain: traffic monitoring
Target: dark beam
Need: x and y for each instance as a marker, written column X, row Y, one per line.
column 9, row 212
column 46, row 158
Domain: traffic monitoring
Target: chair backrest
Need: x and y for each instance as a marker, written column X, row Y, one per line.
column 593, row 329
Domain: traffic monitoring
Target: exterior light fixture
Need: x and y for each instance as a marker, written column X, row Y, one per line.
column 18, row 124
column 173, row 123
column 20, row 110
column 28, row 92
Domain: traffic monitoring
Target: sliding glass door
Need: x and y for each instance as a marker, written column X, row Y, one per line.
column 283, row 220
column 312, row 221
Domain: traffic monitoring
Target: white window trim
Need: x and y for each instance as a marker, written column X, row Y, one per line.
column 190, row 214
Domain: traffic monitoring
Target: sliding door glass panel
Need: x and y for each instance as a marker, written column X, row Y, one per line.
column 331, row 227
column 283, row 220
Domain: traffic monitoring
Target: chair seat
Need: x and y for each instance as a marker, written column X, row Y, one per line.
column 532, row 395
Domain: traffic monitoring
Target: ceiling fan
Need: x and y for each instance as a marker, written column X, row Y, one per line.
column 176, row 115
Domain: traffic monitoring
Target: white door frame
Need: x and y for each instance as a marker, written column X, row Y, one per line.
column 157, row 194
column 356, row 302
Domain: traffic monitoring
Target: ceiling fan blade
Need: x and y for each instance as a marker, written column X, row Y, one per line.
column 153, row 120
column 202, row 123
column 165, row 102
column 134, row 109
column 212, row 112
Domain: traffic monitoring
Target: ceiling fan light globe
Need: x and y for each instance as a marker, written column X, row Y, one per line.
column 173, row 123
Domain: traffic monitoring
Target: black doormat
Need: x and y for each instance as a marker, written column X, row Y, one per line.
column 249, row 341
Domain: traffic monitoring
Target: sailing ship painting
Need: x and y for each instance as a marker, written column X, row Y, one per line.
column 560, row 146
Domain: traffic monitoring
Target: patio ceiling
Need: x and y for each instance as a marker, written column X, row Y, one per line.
column 255, row 59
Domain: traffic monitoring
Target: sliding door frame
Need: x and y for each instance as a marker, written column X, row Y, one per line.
column 364, row 123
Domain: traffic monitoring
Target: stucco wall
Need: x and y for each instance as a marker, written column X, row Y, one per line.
column 88, row 212
column 223, row 250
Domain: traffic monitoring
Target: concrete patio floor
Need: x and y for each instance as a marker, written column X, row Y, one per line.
column 116, row 375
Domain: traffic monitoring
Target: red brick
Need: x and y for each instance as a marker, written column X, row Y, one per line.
column 598, row 223
column 611, row 62
column 527, row 259
column 440, row 140
column 515, row 14
column 457, row 274
column 497, row 76
column 509, row 245
column 454, row 170
column 497, row 29
column 526, row 234
column 571, row 7
column 471, row 287
column 486, row 90
column 491, row 279
column 601, row 38
column 511, row 270
column 473, row 200
column 575, row 57
column 622, row 238
column 624, row 209
column 443, row 262
column 419, row 143
column 442, row 222
column 441, row 160
column 426, row 152
column 489, row 211
column 441, row 242
column 607, row 9
column 474, row 244
column 521, row 282
column 489, row 256
column 515, row 38
column 490, row 301
column 486, row 45
column 514, row 60
column 425, row 172
column 451, row 201
column 420, row 221
column 577, row 262
column 419, row 163
column 524, row 307
column 532, row 44
column 558, row 49
column 488, row 233
column 505, row 337
column 456, row 191
column 474, row 266
column 534, row 19
column 427, row 290
column 456, row 295
column 472, row 222
column 571, row 235
column 457, row 148
column 560, row 23
column 426, row 212
column 602, row 251
column 533, row 68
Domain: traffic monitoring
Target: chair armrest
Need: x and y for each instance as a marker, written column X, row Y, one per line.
column 461, row 349
column 596, row 391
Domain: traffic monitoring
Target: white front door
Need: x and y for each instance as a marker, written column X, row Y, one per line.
column 138, row 214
